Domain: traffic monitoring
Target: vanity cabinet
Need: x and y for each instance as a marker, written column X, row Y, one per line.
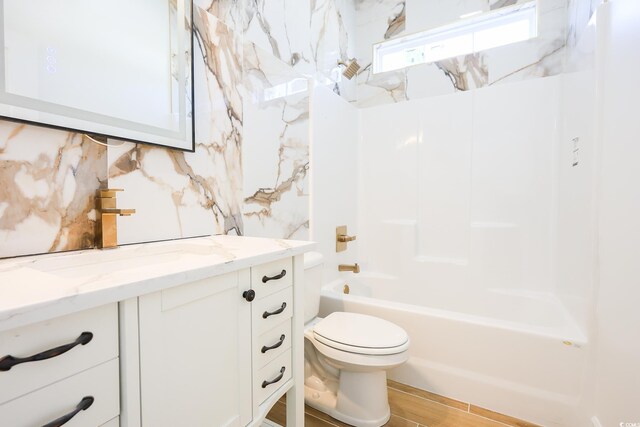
column 217, row 351
column 211, row 338
column 50, row 369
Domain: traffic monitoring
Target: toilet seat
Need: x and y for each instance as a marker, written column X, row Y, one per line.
column 361, row 334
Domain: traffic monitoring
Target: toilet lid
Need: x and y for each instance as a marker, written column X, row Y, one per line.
column 359, row 333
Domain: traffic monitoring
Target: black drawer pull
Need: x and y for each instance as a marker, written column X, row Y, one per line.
column 84, row 404
column 265, row 279
column 278, row 311
column 273, row 347
column 7, row 362
column 275, row 380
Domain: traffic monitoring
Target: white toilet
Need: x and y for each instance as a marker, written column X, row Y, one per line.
column 346, row 357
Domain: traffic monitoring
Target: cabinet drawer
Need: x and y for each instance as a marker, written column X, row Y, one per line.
column 272, row 377
column 113, row 423
column 101, row 322
column 272, row 310
column 272, row 277
column 273, row 343
column 61, row 398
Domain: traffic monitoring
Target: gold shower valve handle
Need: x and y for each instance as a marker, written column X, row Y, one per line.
column 342, row 237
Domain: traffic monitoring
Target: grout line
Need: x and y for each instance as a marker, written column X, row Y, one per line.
column 491, row 419
column 321, row 420
column 468, row 410
column 435, row 401
column 429, row 400
column 406, row 419
column 450, row 407
column 418, row 424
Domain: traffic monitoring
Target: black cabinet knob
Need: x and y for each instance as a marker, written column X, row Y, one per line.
column 249, row 295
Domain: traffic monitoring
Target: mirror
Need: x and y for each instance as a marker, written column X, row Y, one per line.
column 118, row 68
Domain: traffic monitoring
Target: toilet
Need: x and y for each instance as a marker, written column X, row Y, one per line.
column 347, row 356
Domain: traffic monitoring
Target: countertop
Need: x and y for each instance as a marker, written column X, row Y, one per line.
column 42, row 287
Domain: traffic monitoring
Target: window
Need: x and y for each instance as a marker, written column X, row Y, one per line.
column 499, row 28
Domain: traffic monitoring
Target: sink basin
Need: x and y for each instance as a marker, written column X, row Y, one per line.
column 99, row 262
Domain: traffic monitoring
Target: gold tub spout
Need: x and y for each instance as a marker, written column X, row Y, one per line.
column 355, row 268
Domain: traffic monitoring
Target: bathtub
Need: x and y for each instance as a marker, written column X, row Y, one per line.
column 513, row 352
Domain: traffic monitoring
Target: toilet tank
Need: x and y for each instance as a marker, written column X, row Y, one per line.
column 313, row 265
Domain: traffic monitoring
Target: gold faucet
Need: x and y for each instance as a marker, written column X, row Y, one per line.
column 107, row 232
column 355, row 268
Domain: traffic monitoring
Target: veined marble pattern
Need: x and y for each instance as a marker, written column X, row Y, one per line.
column 539, row 57
column 276, row 147
column 281, row 27
column 579, row 13
column 181, row 194
column 376, row 21
column 49, row 181
column 581, row 39
column 230, row 12
column 51, row 177
column 332, row 25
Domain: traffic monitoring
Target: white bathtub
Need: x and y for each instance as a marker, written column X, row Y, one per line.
column 516, row 353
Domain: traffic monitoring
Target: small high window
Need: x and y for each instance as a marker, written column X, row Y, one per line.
column 474, row 34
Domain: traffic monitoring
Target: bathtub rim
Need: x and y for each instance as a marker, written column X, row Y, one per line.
column 576, row 337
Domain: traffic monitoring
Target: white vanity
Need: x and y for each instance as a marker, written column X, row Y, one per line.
column 197, row 332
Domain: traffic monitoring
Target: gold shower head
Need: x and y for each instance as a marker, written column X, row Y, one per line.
column 351, row 68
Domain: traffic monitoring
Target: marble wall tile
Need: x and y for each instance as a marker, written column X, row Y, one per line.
column 180, row 194
column 579, row 13
column 238, row 181
column 230, row 12
column 47, row 197
column 276, row 147
column 332, row 39
column 539, row 57
column 376, row 21
column 581, row 35
column 282, row 28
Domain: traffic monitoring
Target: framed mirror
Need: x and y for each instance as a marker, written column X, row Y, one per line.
column 117, row 68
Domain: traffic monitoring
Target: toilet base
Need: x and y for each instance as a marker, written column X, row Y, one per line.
column 360, row 399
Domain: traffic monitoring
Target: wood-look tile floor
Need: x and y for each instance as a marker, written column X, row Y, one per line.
column 411, row 407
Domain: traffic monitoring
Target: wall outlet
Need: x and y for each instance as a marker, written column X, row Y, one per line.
column 575, row 145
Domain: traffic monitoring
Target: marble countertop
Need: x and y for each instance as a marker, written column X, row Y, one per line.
column 42, row 287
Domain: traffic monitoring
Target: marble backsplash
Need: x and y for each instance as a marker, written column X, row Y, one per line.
column 245, row 176
column 49, row 179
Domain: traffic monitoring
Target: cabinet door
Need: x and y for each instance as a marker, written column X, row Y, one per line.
column 195, row 362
